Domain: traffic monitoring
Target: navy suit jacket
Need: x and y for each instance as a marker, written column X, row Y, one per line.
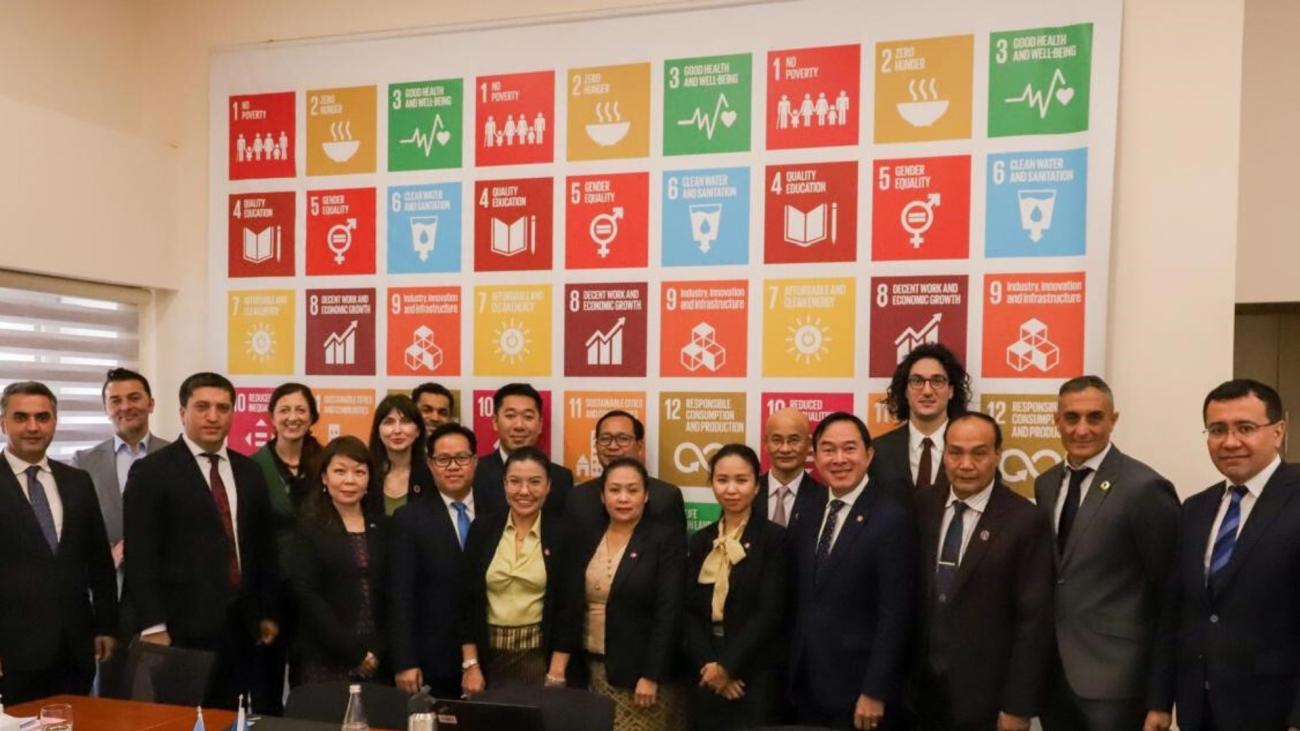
column 426, row 563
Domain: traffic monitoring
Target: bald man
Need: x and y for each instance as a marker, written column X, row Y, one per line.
column 787, row 488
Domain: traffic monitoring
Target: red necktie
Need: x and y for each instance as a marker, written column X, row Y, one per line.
column 925, row 468
column 223, row 509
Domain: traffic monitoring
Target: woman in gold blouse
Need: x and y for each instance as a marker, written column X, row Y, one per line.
column 519, row 624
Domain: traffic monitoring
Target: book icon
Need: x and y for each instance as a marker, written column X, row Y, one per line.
column 804, row 229
column 263, row 245
column 513, row 238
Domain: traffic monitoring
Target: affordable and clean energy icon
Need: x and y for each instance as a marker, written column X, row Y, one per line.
column 803, row 229
column 1057, row 91
column 339, row 239
column 1036, row 208
column 262, row 245
column 422, row 352
column 807, row 340
column 705, row 220
column 611, row 128
column 512, row 341
column 925, row 107
column 606, row 348
column 704, row 350
column 604, row 229
column 708, row 123
column 918, row 216
column 425, row 140
column 1033, row 349
column 516, row 237
column 341, row 347
column 424, row 235
column 911, row 337
column 259, row 344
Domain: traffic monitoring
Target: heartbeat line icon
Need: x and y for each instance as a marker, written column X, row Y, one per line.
column 1042, row 101
column 424, row 141
column 722, row 112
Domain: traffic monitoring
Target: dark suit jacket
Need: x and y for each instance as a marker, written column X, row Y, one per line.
column 561, row 619
column 1111, row 579
column 755, row 606
column 490, row 491
column 643, row 616
column 424, row 609
column 892, row 465
column 853, row 619
column 326, row 582
column 996, row 625
column 810, row 500
column 53, row 600
column 1242, row 643
column 666, row 506
column 176, row 555
column 101, row 462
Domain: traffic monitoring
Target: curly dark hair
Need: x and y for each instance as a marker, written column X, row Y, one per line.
column 958, row 379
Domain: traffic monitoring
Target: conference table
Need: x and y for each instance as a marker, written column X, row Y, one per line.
column 107, row 714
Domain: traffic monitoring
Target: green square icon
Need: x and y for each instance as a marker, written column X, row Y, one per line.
column 425, row 122
column 1039, row 80
column 707, row 104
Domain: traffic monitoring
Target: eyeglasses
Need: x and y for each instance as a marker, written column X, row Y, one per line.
column 622, row 440
column 443, row 461
column 916, row 383
column 1243, row 429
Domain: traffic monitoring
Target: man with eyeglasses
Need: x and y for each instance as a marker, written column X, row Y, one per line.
column 786, row 490
column 929, row 387
column 1229, row 650
column 621, row 434
column 428, row 537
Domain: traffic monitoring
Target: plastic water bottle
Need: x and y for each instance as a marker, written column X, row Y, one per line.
column 354, row 718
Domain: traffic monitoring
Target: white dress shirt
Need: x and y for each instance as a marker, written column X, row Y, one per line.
column 1093, row 462
column 975, row 507
column 227, row 479
column 468, row 502
column 1254, row 486
column 914, row 437
column 46, row 478
column 773, row 485
column 843, row 515
column 125, row 457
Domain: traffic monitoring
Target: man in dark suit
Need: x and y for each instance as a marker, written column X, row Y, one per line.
column 58, row 607
column 984, row 644
column 621, row 434
column 929, row 387
column 1229, row 644
column 517, row 419
column 437, row 405
column 853, row 577
column 200, row 551
column 428, row 538
column 787, row 490
column 1116, row 529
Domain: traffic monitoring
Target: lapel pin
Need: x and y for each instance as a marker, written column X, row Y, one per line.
column 546, row 552
column 1104, row 486
column 859, row 518
column 746, row 546
column 633, row 555
column 984, row 535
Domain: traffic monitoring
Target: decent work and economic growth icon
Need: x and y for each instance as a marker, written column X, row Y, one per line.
column 912, row 338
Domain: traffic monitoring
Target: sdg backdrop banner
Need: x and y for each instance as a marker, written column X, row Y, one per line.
column 700, row 216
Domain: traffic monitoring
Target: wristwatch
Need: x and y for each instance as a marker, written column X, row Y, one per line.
column 467, row 664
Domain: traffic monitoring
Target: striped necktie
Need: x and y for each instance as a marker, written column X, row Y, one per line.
column 1226, row 539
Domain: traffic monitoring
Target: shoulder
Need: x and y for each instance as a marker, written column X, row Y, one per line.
column 83, row 455
column 702, row 540
column 1050, row 476
column 893, row 439
column 561, row 474
column 66, row 473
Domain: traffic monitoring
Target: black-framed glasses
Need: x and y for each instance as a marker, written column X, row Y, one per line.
column 916, row 383
column 443, row 461
column 622, row 440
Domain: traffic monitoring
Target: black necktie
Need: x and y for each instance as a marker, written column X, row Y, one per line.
column 828, row 533
column 1071, row 506
column 925, row 467
column 950, row 553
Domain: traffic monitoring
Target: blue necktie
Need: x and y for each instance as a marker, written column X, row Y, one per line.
column 950, row 553
column 41, row 507
column 1226, row 539
column 462, row 521
column 828, row 533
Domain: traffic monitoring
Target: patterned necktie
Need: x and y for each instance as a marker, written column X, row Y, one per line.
column 462, row 521
column 778, row 511
column 1071, row 506
column 925, row 468
column 950, row 553
column 41, row 507
column 1226, row 539
column 223, row 509
column 828, row 532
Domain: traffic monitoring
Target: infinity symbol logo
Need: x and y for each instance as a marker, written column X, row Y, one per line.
column 699, row 457
column 1026, row 467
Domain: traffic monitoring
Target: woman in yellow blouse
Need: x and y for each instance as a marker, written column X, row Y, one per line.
column 519, row 625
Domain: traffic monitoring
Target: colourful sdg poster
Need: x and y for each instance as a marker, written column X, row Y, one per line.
column 344, row 411
column 1031, row 445
column 1037, row 204
column 516, row 118
column 605, row 329
column 582, row 409
column 606, row 221
column 341, row 131
column 813, row 97
column 808, row 328
column 815, row 406
column 707, row 104
column 609, row 112
column 706, row 217
column 1033, row 325
column 921, row 208
column 261, row 234
column 1040, row 80
column 424, row 228
column 512, row 330
column 512, row 224
column 250, row 422
column 484, row 427
column 340, row 231
column 259, row 331
column 425, row 125
column 907, row 312
column 424, row 331
column 811, row 213
column 340, row 332
column 879, row 420
column 692, row 426
column 262, row 132
column 703, row 329
column 923, row 89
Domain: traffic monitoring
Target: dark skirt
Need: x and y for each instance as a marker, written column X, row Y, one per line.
column 712, row 712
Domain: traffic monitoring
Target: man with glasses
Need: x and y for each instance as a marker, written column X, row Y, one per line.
column 428, row 537
column 621, row 434
column 786, row 489
column 929, row 386
column 1229, row 650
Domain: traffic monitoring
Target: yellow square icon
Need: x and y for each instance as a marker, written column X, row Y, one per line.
column 512, row 330
column 923, row 89
column 609, row 112
column 259, row 332
column 808, row 328
column 341, row 130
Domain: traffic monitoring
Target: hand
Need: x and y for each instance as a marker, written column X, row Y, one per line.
column 104, row 646
column 410, row 681
column 368, row 665
column 1008, row 722
column 268, row 630
column 714, row 676
column 119, row 554
column 647, row 692
column 867, row 713
column 734, row 691
column 554, row 681
column 471, row 680
column 158, row 638
column 1158, row 721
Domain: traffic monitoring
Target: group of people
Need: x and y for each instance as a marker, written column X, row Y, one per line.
column 901, row 585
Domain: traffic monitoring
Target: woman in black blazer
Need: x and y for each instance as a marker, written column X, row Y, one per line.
column 735, row 601
column 519, row 624
column 397, row 446
column 632, row 586
column 337, row 569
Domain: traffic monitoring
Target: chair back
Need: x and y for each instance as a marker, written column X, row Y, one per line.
column 163, row 674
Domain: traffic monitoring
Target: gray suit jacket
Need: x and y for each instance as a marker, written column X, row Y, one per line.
column 1111, row 577
column 101, row 463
